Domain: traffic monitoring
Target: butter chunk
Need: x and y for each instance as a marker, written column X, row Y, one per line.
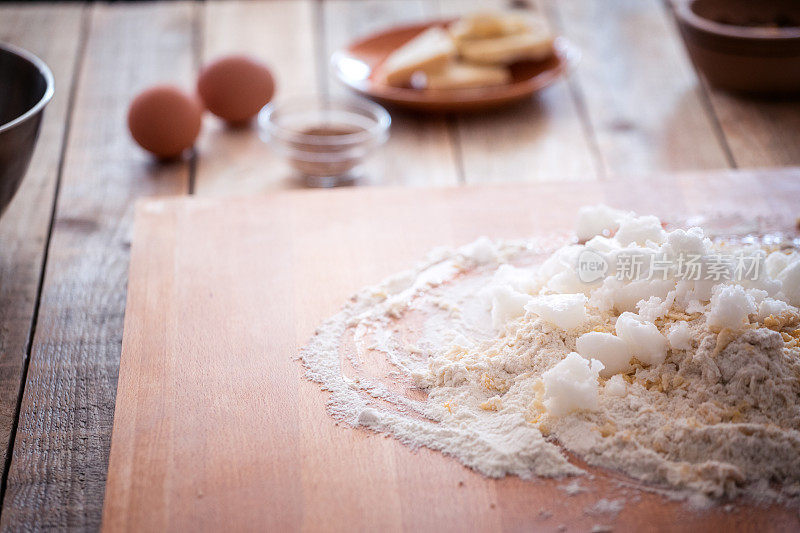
column 428, row 52
column 508, row 49
column 644, row 340
column 565, row 311
column 731, row 307
column 459, row 75
column 606, row 348
column 571, row 385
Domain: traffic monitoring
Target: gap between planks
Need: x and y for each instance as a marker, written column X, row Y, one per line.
column 77, row 63
column 64, row 423
column 703, row 89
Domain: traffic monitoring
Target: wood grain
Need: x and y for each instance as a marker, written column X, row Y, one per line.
column 760, row 133
column 215, row 427
column 421, row 149
column 24, row 229
column 631, row 73
column 641, row 95
column 58, row 467
column 281, row 34
column 542, row 139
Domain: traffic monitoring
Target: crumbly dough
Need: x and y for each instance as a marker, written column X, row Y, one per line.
column 714, row 413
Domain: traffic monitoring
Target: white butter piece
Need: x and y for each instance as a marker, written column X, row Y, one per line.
column 730, row 308
column 616, row 386
column 679, row 336
column 644, row 340
column 597, row 219
column 571, row 385
column 507, row 304
column 566, row 311
column 606, row 348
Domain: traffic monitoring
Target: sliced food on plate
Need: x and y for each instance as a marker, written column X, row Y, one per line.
column 474, row 51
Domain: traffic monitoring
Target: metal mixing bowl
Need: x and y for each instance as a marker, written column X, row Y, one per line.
column 26, row 86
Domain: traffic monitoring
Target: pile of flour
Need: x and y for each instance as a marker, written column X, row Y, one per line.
column 683, row 373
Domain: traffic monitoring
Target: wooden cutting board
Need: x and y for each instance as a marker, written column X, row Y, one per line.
column 215, row 427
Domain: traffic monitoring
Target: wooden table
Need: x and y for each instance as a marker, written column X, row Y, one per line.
column 634, row 107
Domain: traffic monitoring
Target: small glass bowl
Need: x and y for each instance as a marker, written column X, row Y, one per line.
column 325, row 140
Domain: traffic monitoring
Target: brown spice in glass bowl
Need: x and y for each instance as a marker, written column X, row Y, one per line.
column 324, row 166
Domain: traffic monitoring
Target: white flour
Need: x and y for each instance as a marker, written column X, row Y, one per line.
column 691, row 386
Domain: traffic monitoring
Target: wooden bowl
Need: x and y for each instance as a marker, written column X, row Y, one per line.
column 355, row 67
column 744, row 45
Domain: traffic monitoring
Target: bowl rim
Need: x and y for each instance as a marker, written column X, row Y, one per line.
column 44, row 70
column 683, row 9
column 381, row 117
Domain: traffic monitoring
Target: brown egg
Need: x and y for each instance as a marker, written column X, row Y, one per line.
column 235, row 88
column 164, row 120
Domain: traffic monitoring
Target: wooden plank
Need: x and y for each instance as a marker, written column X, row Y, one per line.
column 640, row 92
column 420, row 150
column 215, row 427
column 542, row 139
column 281, row 33
column 58, row 468
column 759, row 132
column 53, row 33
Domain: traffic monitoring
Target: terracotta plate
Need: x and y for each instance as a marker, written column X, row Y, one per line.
column 355, row 67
